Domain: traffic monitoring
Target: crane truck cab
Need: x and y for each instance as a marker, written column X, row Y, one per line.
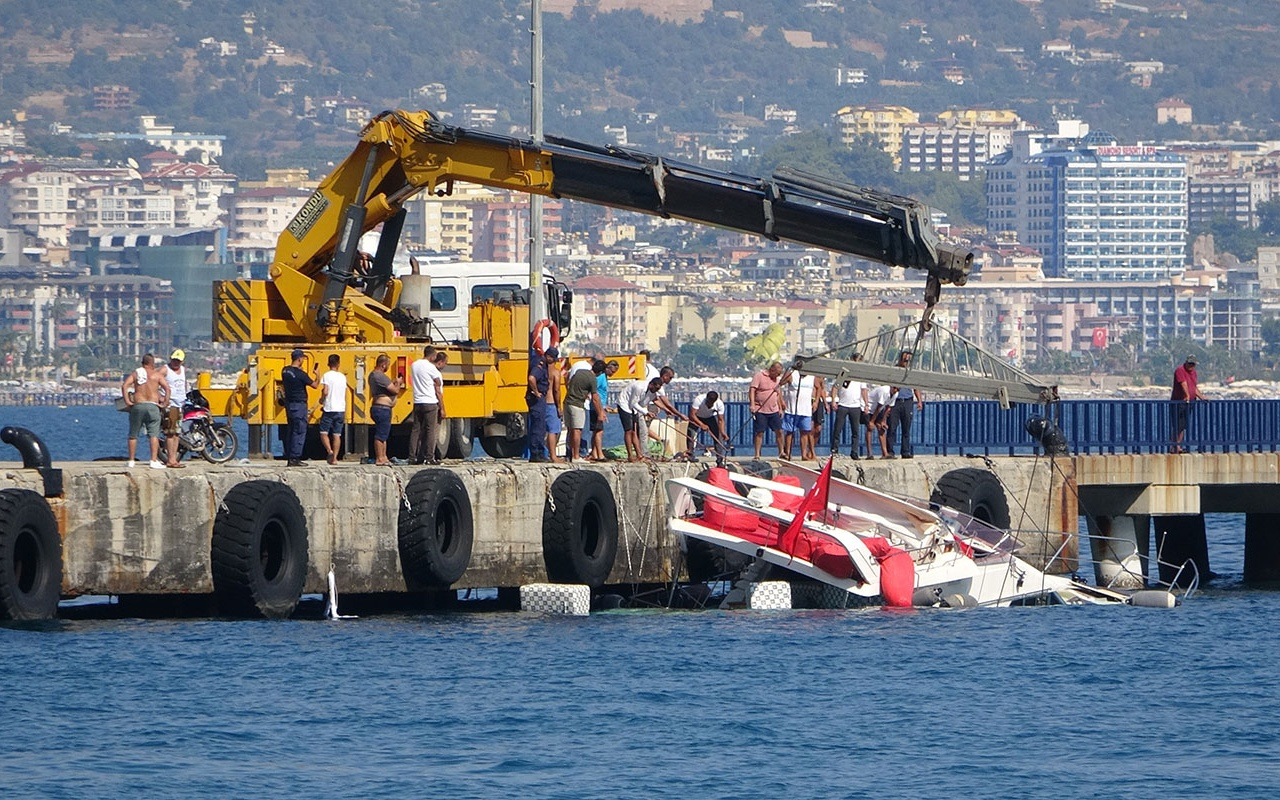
column 458, row 285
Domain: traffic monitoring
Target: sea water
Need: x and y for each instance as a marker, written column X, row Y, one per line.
column 1106, row 702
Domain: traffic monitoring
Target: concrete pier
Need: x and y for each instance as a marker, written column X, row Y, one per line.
column 148, row 532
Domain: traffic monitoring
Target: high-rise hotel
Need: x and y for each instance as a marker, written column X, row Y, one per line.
column 1095, row 209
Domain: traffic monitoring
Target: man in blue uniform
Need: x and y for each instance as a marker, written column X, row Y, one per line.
column 295, row 382
column 535, row 396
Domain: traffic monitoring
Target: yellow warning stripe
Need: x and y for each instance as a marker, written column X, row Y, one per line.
column 233, row 312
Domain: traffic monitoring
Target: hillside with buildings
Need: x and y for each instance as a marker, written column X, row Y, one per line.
column 1082, row 149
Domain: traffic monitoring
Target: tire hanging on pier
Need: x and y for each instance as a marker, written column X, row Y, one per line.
column 30, row 557
column 435, row 530
column 259, row 550
column 975, row 492
column 580, row 529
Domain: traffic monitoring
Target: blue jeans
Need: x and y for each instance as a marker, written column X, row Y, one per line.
column 296, row 414
column 900, row 418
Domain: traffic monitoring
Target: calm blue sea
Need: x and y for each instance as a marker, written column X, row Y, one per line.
column 1045, row 702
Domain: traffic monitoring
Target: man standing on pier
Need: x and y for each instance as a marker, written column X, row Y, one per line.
column 535, row 399
column 294, row 382
column 1185, row 391
column 142, row 392
column 765, row 404
column 176, row 376
column 906, row 401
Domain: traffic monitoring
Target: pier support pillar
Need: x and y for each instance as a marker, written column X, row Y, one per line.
column 1261, row 548
column 1119, row 546
column 1180, row 539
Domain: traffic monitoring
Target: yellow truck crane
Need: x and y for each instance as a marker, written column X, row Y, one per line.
column 318, row 301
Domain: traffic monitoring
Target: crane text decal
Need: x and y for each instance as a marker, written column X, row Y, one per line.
column 308, row 214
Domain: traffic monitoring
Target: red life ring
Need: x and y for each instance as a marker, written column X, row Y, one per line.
column 545, row 326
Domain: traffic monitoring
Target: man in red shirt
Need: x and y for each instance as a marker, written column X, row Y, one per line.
column 1185, row 391
column 765, row 403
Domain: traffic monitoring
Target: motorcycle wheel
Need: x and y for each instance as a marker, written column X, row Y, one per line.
column 222, row 446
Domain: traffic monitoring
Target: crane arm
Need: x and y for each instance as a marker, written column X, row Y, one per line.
column 401, row 153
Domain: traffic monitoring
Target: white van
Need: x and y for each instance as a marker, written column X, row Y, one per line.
column 456, row 285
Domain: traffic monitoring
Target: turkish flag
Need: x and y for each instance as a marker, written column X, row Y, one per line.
column 1100, row 338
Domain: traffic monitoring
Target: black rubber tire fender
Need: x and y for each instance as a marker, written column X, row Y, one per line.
column 975, row 492
column 580, row 529
column 436, row 530
column 259, row 552
column 30, row 557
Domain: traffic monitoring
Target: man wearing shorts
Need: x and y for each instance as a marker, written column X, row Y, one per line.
column 765, row 404
column 333, row 402
column 633, row 406
column 580, row 393
column 175, row 374
column 142, row 392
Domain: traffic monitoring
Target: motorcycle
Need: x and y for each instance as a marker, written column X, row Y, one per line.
column 215, row 441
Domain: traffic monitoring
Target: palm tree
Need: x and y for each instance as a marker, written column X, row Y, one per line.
column 706, row 312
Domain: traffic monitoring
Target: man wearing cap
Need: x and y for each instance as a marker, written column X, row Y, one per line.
column 1185, row 391
column 295, row 382
column 535, row 397
column 176, row 374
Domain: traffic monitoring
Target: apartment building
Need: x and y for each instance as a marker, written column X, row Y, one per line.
column 1095, row 209
column 255, row 218
column 884, row 123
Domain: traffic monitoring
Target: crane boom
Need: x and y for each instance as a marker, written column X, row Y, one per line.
column 401, row 153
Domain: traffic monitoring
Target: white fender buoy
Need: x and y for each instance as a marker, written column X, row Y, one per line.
column 769, row 596
column 568, row 599
column 1153, row 598
column 331, row 607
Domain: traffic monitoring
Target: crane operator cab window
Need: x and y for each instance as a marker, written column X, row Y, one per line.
column 444, row 298
column 493, row 291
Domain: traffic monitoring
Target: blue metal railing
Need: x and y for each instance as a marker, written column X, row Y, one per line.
column 981, row 427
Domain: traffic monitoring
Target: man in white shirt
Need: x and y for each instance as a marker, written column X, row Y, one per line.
column 176, row 375
column 633, row 410
column 878, row 418
column 428, row 408
column 333, row 403
column 706, row 414
column 851, row 400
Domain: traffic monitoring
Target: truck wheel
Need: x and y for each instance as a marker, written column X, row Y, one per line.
column 461, row 436
column 435, row 529
column 580, row 529
column 259, row 550
column 975, row 492
column 30, row 557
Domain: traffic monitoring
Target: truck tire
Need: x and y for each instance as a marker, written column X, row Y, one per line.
column 259, row 551
column 461, row 437
column 975, row 492
column 580, row 529
column 30, row 557
column 435, row 530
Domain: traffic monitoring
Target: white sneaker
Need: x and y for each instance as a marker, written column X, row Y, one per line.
column 133, row 464
column 157, row 465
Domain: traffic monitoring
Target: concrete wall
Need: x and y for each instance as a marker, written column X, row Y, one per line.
column 141, row 531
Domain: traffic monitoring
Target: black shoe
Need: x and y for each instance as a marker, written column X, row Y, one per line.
column 536, row 460
column 909, row 455
column 415, row 461
column 293, row 462
column 435, row 462
column 855, row 456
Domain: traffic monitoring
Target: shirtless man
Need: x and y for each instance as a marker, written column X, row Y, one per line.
column 142, row 392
